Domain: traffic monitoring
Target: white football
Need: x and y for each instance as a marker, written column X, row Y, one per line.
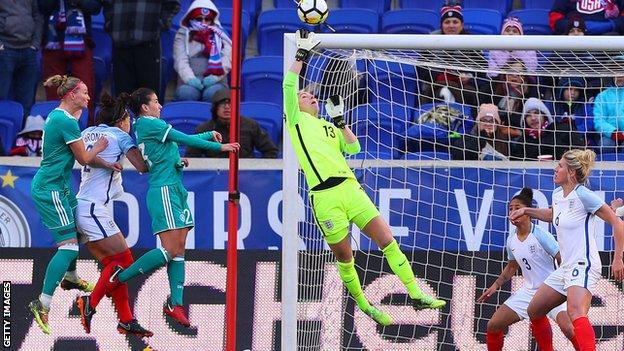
column 312, row 11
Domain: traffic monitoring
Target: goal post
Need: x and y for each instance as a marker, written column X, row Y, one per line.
column 448, row 216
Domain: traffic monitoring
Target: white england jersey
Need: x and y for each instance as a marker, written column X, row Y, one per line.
column 573, row 218
column 534, row 255
column 100, row 184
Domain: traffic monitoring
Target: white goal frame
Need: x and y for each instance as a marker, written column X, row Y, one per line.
column 291, row 198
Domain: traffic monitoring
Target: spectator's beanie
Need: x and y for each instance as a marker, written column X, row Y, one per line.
column 512, row 22
column 535, row 104
column 576, row 21
column 565, row 82
column 489, row 110
column 451, row 12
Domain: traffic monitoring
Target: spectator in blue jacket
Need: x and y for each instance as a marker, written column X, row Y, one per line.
column 571, row 107
column 609, row 115
column 602, row 17
column 21, row 25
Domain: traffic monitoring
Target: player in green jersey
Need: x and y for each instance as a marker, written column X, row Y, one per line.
column 335, row 195
column 52, row 194
column 166, row 196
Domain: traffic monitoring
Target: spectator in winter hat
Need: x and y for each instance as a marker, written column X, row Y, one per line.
column 576, row 25
column 451, row 20
column 601, row 17
column 252, row 136
column 202, row 53
column 487, row 139
column 499, row 58
column 29, row 139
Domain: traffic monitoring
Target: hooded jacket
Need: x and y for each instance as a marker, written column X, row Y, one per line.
column 188, row 59
column 554, row 139
column 579, row 111
column 609, row 111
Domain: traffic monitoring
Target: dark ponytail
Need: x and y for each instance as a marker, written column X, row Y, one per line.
column 525, row 196
column 112, row 110
column 139, row 98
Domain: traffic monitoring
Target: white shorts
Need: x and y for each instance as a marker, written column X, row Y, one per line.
column 94, row 221
column 519, row 302
column 577, row 275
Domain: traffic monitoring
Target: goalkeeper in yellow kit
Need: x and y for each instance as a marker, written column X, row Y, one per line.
column 337, row 199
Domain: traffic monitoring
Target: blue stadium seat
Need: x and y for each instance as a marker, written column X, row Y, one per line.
column 8, row 133
column 44, row 108
column 482, row 21
column 262, row 79
column 270, row 117
column 103, row 44
column 185, row 116
column 426, row 136
column 390, row 81
column 284, row 4
column 610, row 156
column 428, row 155
column 166, row 61
column 251, row 7
column 379, row 6
column 379, row 138
column 434, row 5
column 272, row 24
column 352, row 20
column 538, row 4
column 534, row 21
column 12, row 111
column 102, row 71
column 502, row 6
column 97, row 21
column 226, row 22
column 410, row 21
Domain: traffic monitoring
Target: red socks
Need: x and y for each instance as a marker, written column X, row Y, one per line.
column 584, row 334
column 494, row 340
column 123, row 259
column 542, row 332
column 575, row 343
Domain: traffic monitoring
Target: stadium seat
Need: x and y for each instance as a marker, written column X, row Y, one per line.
column 534, row 21
column 502, row 6
column 538, row 4
column 426, row 136
column 434, row 5
column 185, row 116
column 410, row 21
column 97, row 21
column 8, row 133
column 353, row 20
column 103, row 44
column 379, row 138
column 389, row 81
column 379, row 6
column 225, row 18
column 11, row 119
column 610, row 156
column 270, row 117
column 284, row 4
column 272, row 24
column 44, row 108
column 482, row 21
column 102, row 71
column 251, row 7
column 262, row 79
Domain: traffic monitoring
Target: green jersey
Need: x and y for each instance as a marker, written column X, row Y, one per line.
column 162, row 155
column 60, row 130
column 319, row 145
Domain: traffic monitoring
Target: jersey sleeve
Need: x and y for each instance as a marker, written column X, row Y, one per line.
column 590, row 200
column 510, row 255
column 70, row 131
column 547, row 240
column 124, row 140
column 291, row 100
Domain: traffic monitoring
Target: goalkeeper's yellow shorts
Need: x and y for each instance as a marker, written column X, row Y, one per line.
column 336, row 207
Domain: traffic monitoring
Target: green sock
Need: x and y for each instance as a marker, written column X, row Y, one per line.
column 175, row 272
column 350, row 278
column 57, row 268
column 402, row 268
column 154, row 258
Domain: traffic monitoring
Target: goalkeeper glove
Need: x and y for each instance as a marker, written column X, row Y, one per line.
column 305, row 43
column 335, row 109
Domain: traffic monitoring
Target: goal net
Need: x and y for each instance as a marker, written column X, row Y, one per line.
column 442, row 170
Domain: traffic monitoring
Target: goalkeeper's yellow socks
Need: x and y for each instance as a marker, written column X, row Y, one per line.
column 175, row 273
column 402, row 268
column 350, row 278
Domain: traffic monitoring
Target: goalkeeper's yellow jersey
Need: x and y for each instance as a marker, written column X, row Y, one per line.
column 319, row 145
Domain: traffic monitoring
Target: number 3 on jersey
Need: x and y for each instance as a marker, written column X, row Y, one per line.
column 526, row 263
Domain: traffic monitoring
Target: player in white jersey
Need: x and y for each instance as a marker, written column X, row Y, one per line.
column 98, row 188
column 531, row 249
column 574, row 208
